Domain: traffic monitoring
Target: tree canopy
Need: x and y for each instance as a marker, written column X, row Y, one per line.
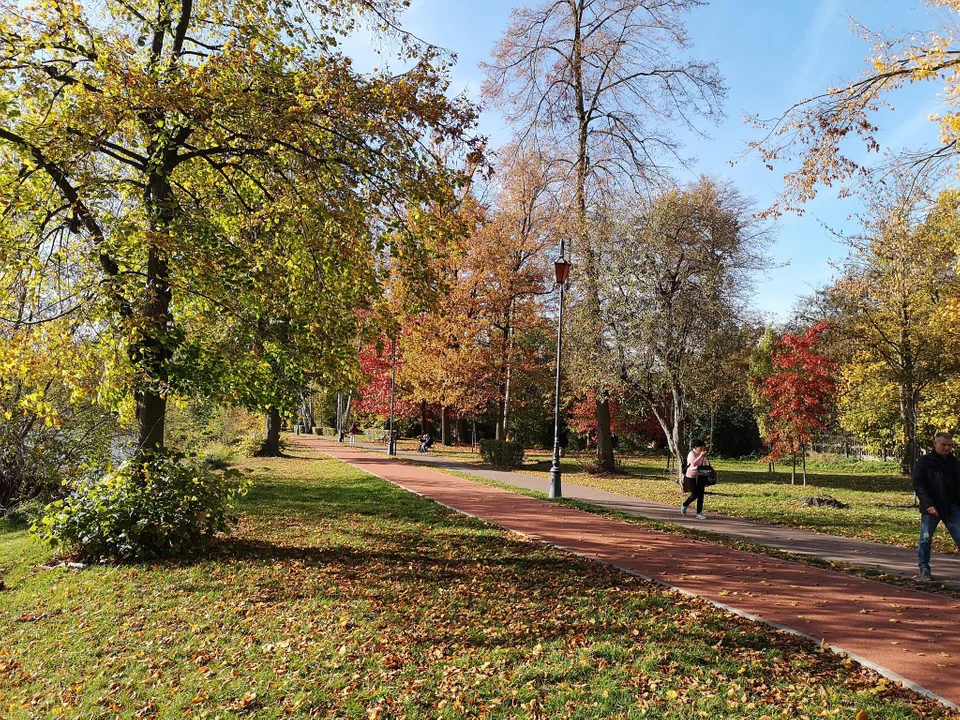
column 164, row 164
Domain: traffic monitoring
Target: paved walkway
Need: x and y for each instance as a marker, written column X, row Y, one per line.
column 876, row 556
column 906, row 634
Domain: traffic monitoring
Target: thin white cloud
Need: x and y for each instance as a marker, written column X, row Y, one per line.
column 916, row 129
column 816, row 63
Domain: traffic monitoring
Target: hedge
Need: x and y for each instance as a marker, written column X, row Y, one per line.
column 501, row 453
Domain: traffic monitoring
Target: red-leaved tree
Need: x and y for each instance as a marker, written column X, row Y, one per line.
column 376, row 361
column 583, row 421
column 800, row 394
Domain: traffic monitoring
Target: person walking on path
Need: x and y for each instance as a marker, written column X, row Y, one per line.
column 353, row 433
column 936, row 481
column 696, row 459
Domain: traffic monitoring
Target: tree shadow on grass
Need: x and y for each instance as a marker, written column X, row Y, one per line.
column 315, row 500
column 859, row 483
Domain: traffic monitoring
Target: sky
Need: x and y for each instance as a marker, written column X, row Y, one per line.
column 772, row 53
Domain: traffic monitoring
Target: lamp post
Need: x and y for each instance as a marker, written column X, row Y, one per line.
column 561, row 269
column 391, row 442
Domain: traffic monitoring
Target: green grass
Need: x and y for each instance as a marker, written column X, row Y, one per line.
column 881, row 500
column 343, row 596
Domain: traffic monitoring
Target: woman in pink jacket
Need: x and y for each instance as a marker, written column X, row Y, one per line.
column 695, row 460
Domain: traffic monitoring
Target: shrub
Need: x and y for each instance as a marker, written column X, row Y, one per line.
column 501, row 453
column 218, row 455
column 160, row 505
column 251, row 445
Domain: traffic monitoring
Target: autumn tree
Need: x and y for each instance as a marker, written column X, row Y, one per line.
column 760, row 367
column 817, row 131
column 896, row 305
column 468, row 353
column 507, row 266
column 720, row 377
column 156, row 149
column 801, row 393
column 51, row 426
column 598, row 82
column 676, row 272
column 381, row 362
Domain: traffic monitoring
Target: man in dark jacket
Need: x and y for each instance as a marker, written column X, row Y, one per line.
column 936, row 481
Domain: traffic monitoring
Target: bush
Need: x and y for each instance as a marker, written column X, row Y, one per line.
column 501, row 453
column 218, row 455
column 251, row 445
column 160, row 505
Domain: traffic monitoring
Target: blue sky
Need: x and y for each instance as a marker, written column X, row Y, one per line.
column 772, row 53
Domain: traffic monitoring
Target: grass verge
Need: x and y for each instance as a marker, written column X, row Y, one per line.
column 343, row 596
column 881, row 507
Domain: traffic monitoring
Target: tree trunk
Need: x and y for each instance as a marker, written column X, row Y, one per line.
column 605, row 460
column 793, row 469
column 446, row 434
column 499, row 431
column 271, row 447
column 908, row 415
column 463, row 430
column 713, row 416
column 508, row 356
column 149, row 352
column 672, row 431
column 506, row 391
column 803, row 450
column 423, row 417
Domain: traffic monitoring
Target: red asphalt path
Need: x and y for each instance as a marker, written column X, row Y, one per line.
column 908, row 635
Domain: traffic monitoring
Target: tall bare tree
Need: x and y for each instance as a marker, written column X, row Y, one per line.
column 599, row 82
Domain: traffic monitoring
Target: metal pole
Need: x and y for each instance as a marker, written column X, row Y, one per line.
column 339, row 417
column 555, row 468
column 391, row 443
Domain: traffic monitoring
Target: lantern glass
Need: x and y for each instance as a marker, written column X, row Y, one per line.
column 561, row 269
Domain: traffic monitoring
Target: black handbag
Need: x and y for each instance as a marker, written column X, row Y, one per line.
column 707, row 475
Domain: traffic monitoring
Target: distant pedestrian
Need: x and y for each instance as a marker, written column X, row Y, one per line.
column 936, row 481
column 353, row 433
column 425, row 442
column 697, row 483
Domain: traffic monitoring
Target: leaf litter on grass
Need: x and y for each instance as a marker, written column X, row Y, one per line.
column 343, row 597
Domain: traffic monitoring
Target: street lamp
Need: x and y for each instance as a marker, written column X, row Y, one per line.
column 391, row 442
column 561, row 267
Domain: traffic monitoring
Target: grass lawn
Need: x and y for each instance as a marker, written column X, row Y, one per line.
column 342, row 596
column 881, row 501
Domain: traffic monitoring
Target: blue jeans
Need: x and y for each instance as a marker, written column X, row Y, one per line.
column 928, row 524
